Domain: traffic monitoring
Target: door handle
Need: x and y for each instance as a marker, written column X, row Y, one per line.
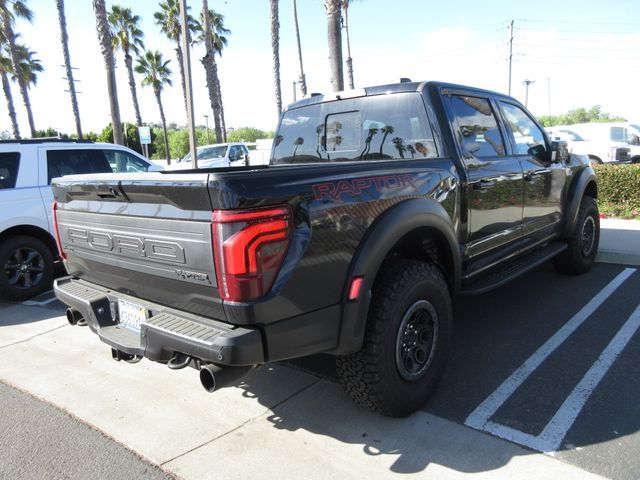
column 482, row 184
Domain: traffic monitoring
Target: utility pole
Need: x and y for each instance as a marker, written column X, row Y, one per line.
column 294, row 91
column 549, row 94
column 510, row 52
column 526, row 84
column 187, row 73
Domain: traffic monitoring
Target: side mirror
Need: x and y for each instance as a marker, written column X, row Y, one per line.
column 559, row 151
column 635, row 140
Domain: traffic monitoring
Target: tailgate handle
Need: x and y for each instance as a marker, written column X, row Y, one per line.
column 113, row 193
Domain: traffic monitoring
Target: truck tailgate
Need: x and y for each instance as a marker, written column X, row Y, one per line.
column 145, row 235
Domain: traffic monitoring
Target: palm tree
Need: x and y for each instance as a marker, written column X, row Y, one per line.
column 334, row 37
column 386, row 130
column 29, row 66
column 275, row 50
column 303, row 80
column 127, row 36
column 8, row 15
column 5, row 70
column 349, row 62
column 168, row 18
column 106, row 46
column 213, row 35
column 64, row 38
column 156, row 74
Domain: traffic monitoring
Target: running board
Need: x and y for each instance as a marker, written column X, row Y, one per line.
column 512, row 269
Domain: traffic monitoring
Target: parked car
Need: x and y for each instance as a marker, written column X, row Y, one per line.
column 379, row 205
column 216, row 156
column 27, row 167
column 598, row 146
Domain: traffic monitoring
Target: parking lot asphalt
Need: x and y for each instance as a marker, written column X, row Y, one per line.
column 541, row 383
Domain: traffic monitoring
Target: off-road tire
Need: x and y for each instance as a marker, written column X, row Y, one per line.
column 376, row 376
column 38, row 263
column 583, row 242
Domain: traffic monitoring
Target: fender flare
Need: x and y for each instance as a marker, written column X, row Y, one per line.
column 586, row 180
column 379, row 239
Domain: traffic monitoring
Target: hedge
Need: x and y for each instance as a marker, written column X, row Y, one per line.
column 619, row 190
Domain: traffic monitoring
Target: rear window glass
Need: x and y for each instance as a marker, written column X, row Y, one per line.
column 9, row 163
column 380, row 127
column 75, row 162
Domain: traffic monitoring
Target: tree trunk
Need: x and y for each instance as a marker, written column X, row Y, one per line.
column 275, row 49
column 128, row 60
column 222, row 122
column 164, row 126
column 334, row 37
column 6, row 87
column 211, row 71
column 67, row 63
column 303, row 80
column 17, row 70
column 106, row 47
column 349, row 61
column 179, row 56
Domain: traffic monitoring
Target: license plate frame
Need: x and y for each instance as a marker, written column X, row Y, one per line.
column 131, row 315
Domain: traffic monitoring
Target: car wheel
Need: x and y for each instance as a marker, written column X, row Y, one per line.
column 584, row 241
column 407, row 340
column 27, row 267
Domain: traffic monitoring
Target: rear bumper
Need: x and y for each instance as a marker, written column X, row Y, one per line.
column 164, row 331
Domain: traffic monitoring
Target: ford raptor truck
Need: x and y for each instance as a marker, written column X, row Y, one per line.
column 378, row 206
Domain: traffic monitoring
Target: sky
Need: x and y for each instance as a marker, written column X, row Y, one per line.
column 576, row 53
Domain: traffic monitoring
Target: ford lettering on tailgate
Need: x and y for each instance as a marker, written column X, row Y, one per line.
column 127, row 245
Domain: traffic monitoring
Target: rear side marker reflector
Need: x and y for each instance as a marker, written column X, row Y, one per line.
column 249, row 247
column 354, row 288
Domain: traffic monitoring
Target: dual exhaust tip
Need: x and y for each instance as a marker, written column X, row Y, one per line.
column 212, row 377
column 74, row 317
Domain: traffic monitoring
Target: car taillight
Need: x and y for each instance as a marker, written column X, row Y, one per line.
column 57, row 231
column 249, row 247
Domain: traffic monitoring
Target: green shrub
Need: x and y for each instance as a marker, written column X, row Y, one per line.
column 619, row 190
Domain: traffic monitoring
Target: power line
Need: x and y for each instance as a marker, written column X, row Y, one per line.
column 580, row 22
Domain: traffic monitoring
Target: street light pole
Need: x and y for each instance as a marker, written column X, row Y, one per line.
column 206, row 121
column 526, row 84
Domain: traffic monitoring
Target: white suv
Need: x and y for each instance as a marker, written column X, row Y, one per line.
column 27, row 245
column 216, row 156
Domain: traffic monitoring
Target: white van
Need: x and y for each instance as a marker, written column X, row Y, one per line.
column 596, row 145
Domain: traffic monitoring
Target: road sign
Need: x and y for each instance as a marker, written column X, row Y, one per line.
column 145, row 135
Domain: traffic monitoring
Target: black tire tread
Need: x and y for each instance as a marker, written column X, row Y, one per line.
column 10, row 244
column 360, row 373
column 571, row 261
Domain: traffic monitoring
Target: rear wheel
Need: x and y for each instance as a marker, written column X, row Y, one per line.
column 27, row 267
column 406, row 342
column 584, row 240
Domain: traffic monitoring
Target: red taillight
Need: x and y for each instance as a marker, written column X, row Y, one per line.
column 57, row 231
column 249, row 247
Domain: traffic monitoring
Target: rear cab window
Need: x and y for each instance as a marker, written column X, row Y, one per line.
column 121, row 161
column 381, row 127
column 9, row 165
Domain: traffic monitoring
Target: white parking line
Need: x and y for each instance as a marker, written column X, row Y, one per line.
column 479, row 418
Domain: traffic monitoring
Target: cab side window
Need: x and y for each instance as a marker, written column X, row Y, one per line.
column 9, row 163
column 477, row 128
column 527, row 137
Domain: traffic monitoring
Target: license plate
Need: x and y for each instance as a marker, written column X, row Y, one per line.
column 131, row 315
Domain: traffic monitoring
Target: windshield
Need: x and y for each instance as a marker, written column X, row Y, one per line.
column 572, row 135
column 212, row 152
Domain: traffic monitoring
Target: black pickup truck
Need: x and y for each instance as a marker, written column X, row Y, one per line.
column 378, row 206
